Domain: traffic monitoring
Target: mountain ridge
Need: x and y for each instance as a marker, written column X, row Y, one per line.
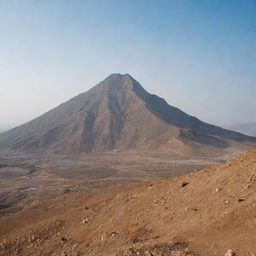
column 115, row 115
column 245, row 128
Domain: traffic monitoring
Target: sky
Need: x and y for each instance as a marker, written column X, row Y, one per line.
column 200, row 55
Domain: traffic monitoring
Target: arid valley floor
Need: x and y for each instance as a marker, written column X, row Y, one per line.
column 28, row 175
column 51, row 212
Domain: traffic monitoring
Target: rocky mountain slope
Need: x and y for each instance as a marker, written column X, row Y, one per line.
column 119, row 115
column 206, row 212
column 246, row 128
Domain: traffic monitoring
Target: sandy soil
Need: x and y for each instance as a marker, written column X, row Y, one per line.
column 206, row 212
column 25, row 176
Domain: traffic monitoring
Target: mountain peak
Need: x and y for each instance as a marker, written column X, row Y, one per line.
column 118, row 76
column 119, row 114
column 117, row 81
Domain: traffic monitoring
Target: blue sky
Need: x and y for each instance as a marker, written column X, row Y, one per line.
column 199, row 55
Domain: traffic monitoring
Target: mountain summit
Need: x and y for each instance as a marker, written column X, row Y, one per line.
column 118, row 114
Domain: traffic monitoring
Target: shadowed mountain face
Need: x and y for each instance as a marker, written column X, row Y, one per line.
column 117, row 115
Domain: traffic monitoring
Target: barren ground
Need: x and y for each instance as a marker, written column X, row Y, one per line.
column 26, row 176
column 207, row 212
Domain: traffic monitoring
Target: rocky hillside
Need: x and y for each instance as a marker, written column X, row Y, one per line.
column 206, row 212
column 118, row 114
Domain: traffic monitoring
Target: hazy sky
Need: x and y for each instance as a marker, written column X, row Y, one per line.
column 199, row 55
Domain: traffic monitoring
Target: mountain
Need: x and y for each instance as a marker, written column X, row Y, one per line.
column 246, row 128
column 118, row 114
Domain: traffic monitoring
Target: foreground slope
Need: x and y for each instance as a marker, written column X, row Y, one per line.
column 211, row 211
column 119, row 115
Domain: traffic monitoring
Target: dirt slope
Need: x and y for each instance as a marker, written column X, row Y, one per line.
column 119, row 115
column 210, row 211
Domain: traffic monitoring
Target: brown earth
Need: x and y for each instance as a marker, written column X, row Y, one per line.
column 29, row 176
column 206, row 212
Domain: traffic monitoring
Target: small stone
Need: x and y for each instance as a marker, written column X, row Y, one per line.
column 31, row 238
column 226, row 202
column 230, row 253
column 191, row 209
column 113, row 233
column 247, row 186
column 67, row 191
column 184, row 184
column 85, row 221
column 240, row 199
column 63, row 239
column 218, row 189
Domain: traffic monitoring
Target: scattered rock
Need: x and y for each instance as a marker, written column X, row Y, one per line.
column 63, row 239
column 247, row 186
column 150, row 186
column 184, row 184
column 85, row 221
column 67, row 191
column 230, row 253
column 175, row 249
column 191, row 209
column 114, row 233
column 31, row 238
